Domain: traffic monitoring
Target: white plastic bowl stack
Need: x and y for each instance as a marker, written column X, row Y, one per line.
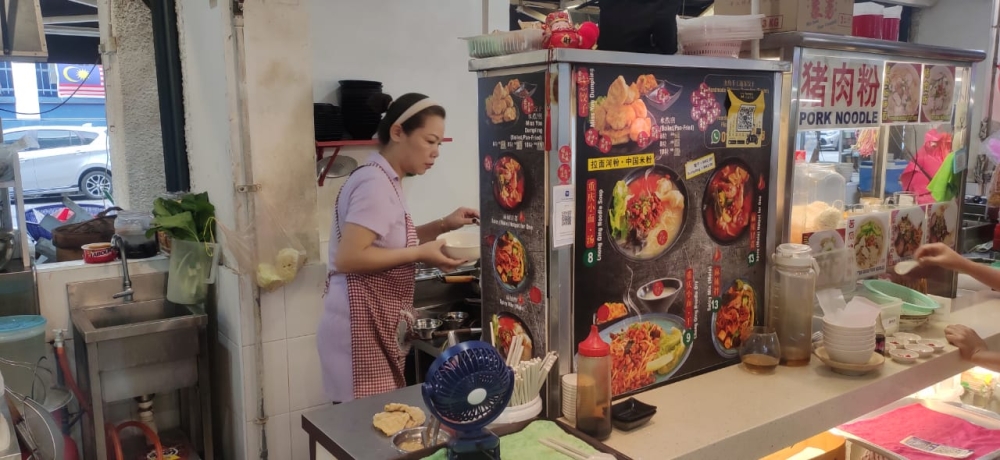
column 569, row 397
column 849, row 345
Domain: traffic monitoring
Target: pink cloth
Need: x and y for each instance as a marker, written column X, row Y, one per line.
column 888, row 430
column 929, row 158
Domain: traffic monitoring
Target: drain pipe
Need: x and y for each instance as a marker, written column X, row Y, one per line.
column 166, row 51
column 245, row 199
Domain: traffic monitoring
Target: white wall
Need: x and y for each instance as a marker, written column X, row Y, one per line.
column 132, row 103
column 410, row 47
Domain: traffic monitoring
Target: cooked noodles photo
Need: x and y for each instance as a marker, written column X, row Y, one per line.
column 511, row 260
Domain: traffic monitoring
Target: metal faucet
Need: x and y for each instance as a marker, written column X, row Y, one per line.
column 126, row 295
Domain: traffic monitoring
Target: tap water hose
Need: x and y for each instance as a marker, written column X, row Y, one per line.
column 70, row 381
column 115, row 444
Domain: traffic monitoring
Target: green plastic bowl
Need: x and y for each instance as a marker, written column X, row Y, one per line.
column 913, row 301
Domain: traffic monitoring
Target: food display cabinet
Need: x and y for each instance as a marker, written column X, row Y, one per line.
column 630, row 192
column 891, row 118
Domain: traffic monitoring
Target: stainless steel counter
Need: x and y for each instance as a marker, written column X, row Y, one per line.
column 346, row 431
column 13, row 452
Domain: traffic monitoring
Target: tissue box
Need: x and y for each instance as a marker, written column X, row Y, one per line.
column 832, row 17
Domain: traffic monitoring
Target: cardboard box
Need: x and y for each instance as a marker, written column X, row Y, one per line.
column 827, row 16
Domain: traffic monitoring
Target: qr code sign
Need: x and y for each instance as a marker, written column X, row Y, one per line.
column 744, row 118
column 567, row 218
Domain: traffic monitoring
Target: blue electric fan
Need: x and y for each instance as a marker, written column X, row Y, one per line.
column 467, row 388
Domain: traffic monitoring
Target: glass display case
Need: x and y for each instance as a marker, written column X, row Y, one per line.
column 879, row 131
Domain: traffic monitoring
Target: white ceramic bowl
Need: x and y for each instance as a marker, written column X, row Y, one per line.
column 520, row 413
column 904, row 356
column 937, row 345
column 461, row 245
column 924, row 350
column 851, row 349
column 847, row 330
column 906, row 337
column 895, row 342
column 850, row 357
column 849, row 342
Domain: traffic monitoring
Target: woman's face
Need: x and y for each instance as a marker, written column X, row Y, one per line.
column 420, row 147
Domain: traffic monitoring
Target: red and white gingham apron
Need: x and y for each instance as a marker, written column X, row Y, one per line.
column 381, row 312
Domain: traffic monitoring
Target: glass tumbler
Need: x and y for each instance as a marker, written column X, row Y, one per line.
column 761, row 352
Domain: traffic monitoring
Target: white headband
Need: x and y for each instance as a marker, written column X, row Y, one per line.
column 414, row 109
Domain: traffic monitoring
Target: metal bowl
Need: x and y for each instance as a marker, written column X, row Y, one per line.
column 425, row 327
column 6, row 248
column 454, row 319
column 416, row 435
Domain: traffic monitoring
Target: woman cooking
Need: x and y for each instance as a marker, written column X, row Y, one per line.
column 368, row 306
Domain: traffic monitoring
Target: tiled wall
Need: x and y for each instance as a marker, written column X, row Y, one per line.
column 292, row 380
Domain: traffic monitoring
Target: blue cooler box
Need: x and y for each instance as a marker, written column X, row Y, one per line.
column 892, row 172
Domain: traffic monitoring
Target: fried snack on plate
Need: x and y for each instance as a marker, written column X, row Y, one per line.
column 397, row 417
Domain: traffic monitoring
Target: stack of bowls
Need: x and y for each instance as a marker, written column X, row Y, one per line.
column 360, row 121
column 849, row 345
column 569, row 397
column 328, row 122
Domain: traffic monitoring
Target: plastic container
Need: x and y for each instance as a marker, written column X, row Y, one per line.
column 893, row 172
column 520, row 413
column 193, row 266
column 892, row 308
column 503, row 43
column 22, row 339
column 817, row 199
column 790, row 305
column 867, row 20
column 912, row 300
column 891, row 17
column 593, row 403
column 132, row 227
column 719, row 36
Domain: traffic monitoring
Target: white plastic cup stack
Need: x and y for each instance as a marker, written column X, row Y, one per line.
column 569, row 397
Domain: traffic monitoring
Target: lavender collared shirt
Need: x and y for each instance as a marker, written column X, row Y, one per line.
column 374, row 202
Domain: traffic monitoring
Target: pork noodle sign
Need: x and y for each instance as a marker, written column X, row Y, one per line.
column 839, row 93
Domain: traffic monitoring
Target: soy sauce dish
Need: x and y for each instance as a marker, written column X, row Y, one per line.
column 631, row 414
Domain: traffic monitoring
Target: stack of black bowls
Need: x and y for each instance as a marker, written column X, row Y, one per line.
column 360, row 121
column 328, row 122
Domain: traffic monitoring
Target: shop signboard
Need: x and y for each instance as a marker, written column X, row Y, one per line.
column 839, row 93
column 901, row 93
column 512, row 207
column 672, row 175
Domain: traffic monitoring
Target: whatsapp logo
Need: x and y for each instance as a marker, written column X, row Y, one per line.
column 716, row 136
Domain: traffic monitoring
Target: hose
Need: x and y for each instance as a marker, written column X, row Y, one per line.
column 70, row 381
column 115, row 444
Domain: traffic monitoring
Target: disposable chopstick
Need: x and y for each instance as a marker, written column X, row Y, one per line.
column 578, row 452
column 562, row 450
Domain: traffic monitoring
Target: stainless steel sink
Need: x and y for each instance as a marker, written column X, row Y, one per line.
column 121, row 320
column 145, row 347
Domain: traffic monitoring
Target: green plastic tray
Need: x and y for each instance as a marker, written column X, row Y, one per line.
column 912, row 300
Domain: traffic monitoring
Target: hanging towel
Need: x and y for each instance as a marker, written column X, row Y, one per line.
column 944, row 186
column 887, row 430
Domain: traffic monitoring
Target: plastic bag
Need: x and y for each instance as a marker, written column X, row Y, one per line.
column 277, row 256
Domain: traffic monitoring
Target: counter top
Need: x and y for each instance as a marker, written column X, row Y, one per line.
column 730, row 413
column 345, row 430
column 724, row 414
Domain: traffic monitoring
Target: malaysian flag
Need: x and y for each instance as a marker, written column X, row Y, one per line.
column 84, row 80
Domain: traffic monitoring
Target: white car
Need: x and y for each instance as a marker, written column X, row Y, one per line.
column 69, row 159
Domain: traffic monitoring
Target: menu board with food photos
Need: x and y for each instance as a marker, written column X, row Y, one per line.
column 512, row 208
column 901, row 93
column 671, row 175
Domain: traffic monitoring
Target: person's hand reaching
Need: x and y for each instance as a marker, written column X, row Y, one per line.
column 937, row 254
column 460, row 218
column 967, row 340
